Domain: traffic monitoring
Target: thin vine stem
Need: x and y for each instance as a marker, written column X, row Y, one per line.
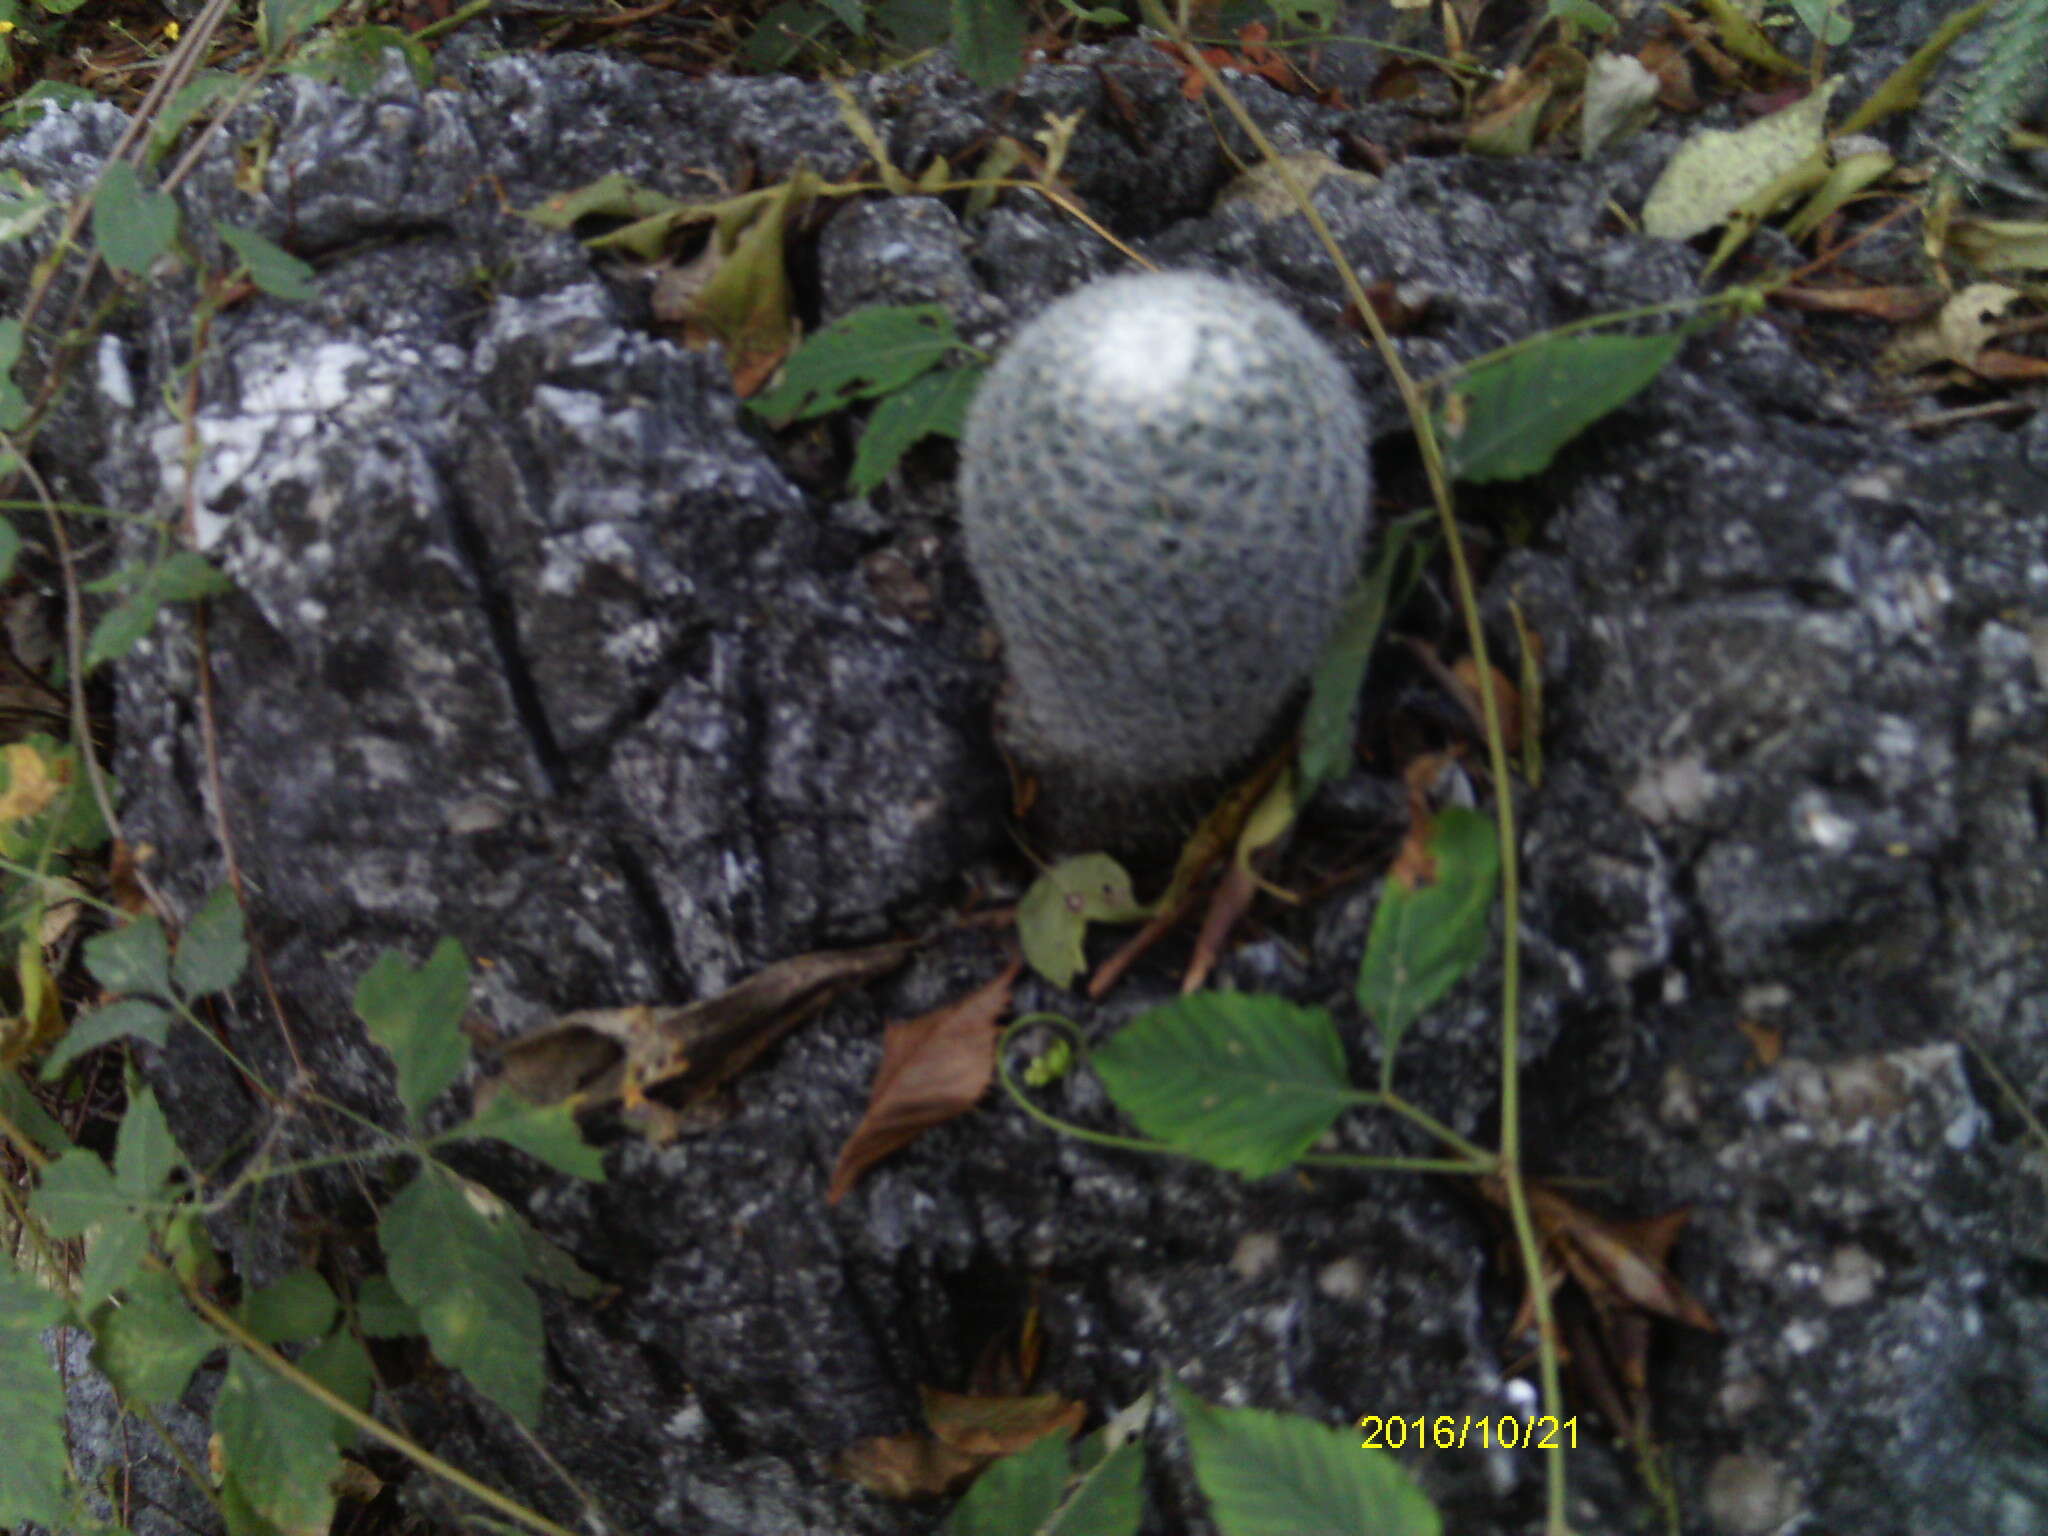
column 1520, row 1216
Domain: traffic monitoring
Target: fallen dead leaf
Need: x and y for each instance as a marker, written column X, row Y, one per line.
column 998, row 1426
column 934, row 1069
column 625, row 1055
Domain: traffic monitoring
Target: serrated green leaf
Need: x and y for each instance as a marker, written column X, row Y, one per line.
column 382, row 1313
column 1428, row 932
column 546, row 1262
column 40, row 98
column 113, row 1259
column 988, row 41
column 238, row 1516
column 1519, row 411
column 1017, row 1495
column 416, row 1015
column 462, row 1275
column 355, row 59
column 75, row 1193
column 1244, row 1083
column 1109, row 1500
column 32, row 1472
column 131, row 225
column 121, row 628
column 1330, row 721
column 134, row 1016
column 341, row 1365
column 298, row 1306
column 870, row 352
column 1054, row 915
column 185, row 576
column 933, row 404
column 29, row 1117
column 272, row 268
column 22, row 207
column 284, row 20
column 136, row 957
column 1279, row 1474
column 150, row 1345
column 548, row 1132
column 13, row 403
column 280, row 1445
column 213, row 948
column 144, row 1153
column 198, row 94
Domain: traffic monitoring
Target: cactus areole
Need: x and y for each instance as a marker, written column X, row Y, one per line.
column 1165, row 489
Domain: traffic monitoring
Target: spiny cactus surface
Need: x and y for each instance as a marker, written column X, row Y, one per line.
column 1164, row 489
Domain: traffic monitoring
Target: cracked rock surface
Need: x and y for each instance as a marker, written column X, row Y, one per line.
column 537, row 643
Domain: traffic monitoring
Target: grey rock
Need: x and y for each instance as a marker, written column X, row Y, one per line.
column 536, row 643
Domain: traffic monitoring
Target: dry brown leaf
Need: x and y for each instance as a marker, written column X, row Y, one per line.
column 1768, row 1043
column 934, row 1069
column 626, row 1054
column 1227, row 903
column 2009, row 367
column 1617, row 1261
column 1506, row 697
column 912, row 1465
column 1893, row 303
column 1962, row 330
column 998, row 1426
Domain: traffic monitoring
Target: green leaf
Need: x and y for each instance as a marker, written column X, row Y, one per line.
column 29, row 1117
column 134, row 1016
column 60, row 7
column 144, row 1154
column 915, row 25
column 1246, row 1083
column 1308, row 15
column 341, row 1365
column 22, row 207
column 133, row 227
column 76, row 1193
column 382, row 1313
column 275, row 270
column 871, row 352
column 135, row 957
column 284, row 20
column 1054, row 915
column 988, row 41
column 1109, row 1500
column 1520, row 410
column 121, row 628
column 935, row 403
column 32, row 1472
column 194, row 97
column 1015, row 1496
column 279, row 1443
column 851, row 15
column 1584, row 13
column 356, row 59
column 461, row 1272
column 296, row 1307
column 213, row 948
column 39, row 98
column 113, row 1259
column 1331, row 719
column 1429, row 931
column 547, row 1262
column 185, row 576
column 13, row 403
column 1279, row 1474
column 416, row 1015
column 549, row 1133
column 10, row 547
column 1827, row 20
column 150, row 1345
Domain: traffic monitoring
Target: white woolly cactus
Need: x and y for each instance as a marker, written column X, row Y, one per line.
column 1165, row 489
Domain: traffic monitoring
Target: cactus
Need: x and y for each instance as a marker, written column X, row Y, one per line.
column 1164, row 488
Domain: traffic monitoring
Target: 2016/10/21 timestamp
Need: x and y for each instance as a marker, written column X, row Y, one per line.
column 1448, row 1432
